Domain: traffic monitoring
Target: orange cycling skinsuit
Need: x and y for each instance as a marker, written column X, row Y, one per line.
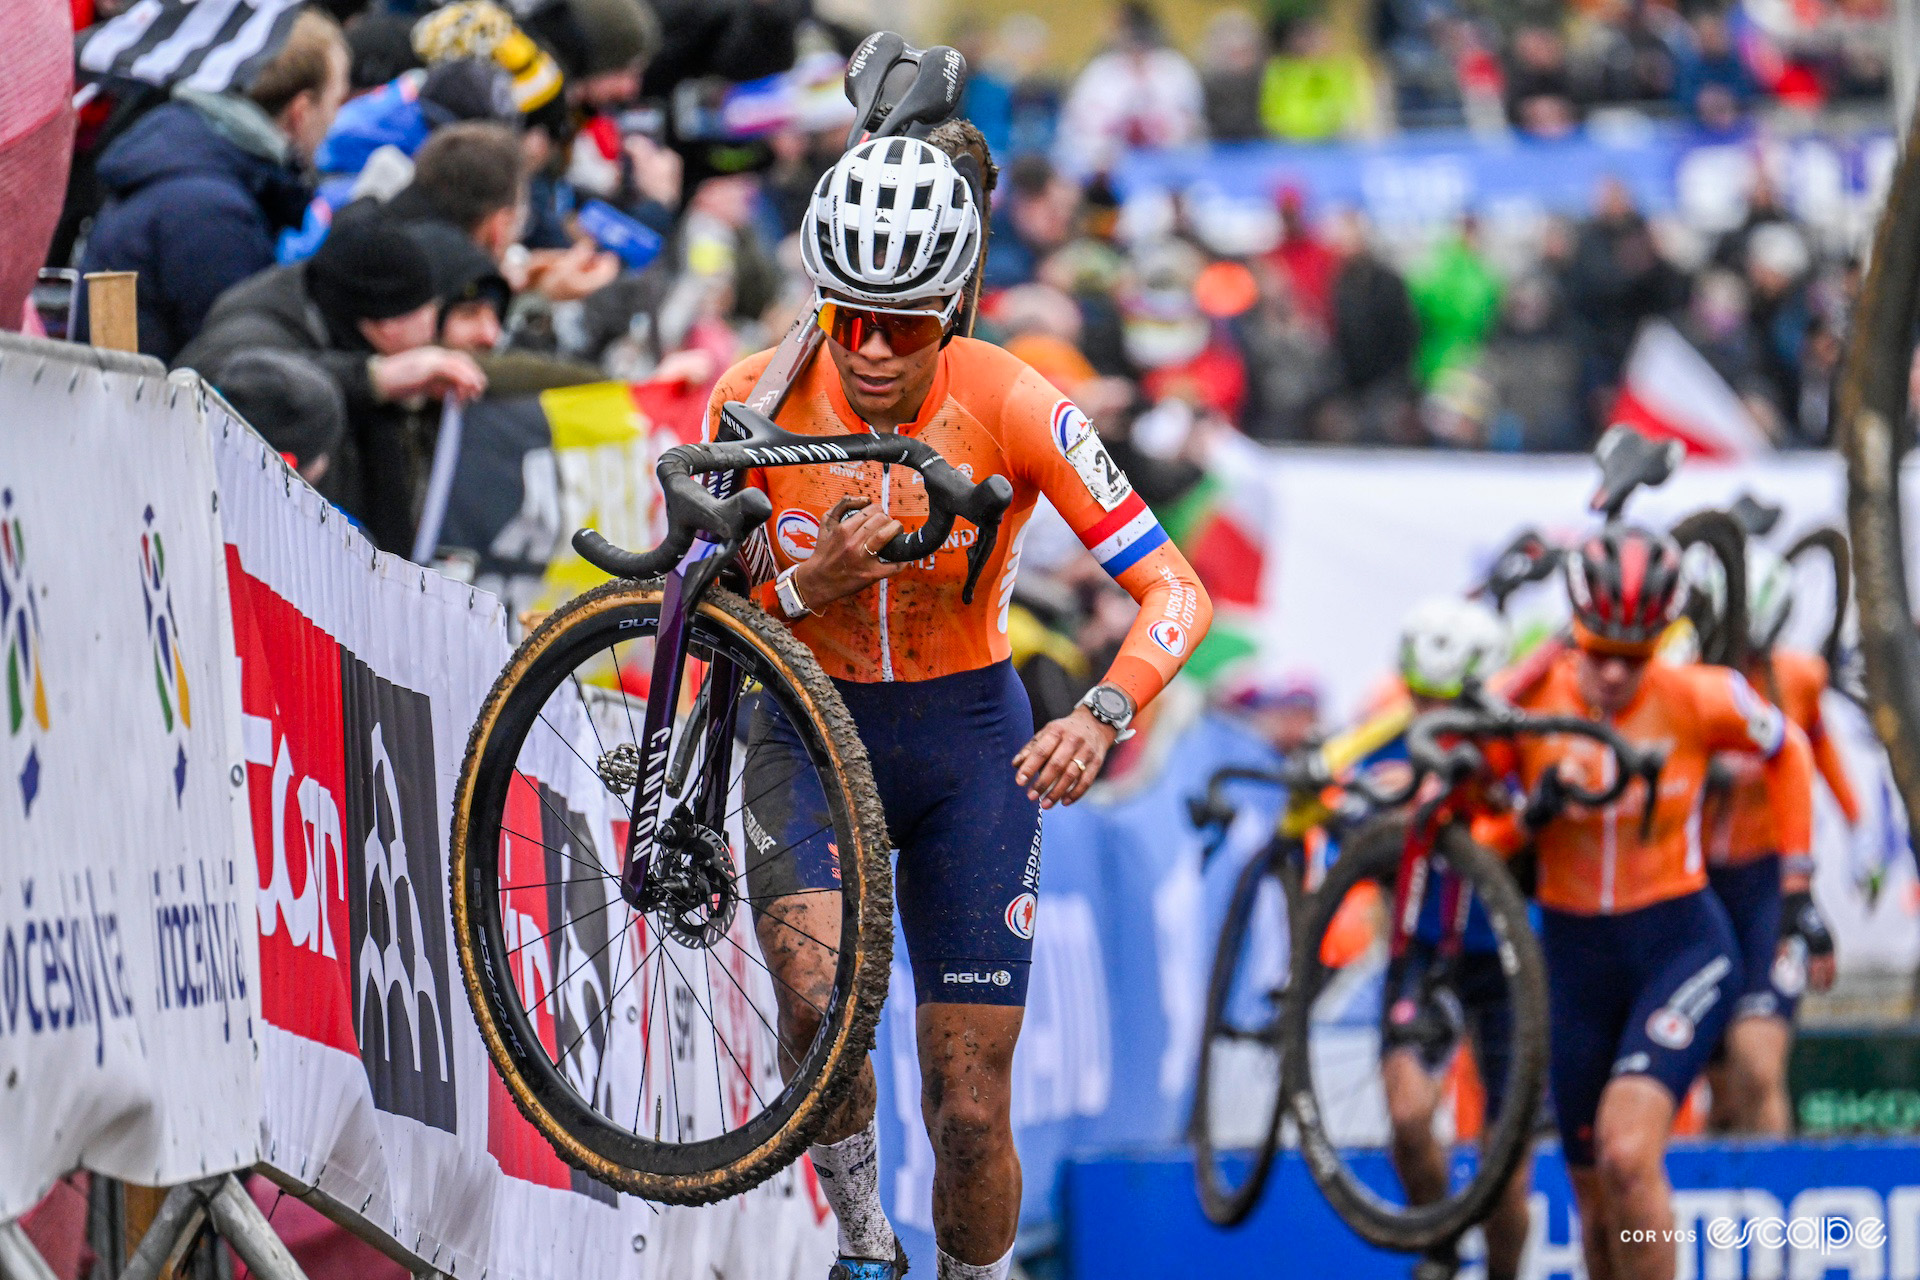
column 1641, row 957
column 928, row 677
column 1744, row 850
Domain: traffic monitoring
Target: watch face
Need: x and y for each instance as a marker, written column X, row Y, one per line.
column 1110, row 704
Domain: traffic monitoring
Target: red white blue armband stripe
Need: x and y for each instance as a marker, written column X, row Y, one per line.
column 1124, row 536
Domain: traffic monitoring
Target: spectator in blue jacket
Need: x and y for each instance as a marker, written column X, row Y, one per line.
column 199, row 188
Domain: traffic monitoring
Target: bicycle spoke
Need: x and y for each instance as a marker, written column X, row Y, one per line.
column 586, row 712
column 712, row 1022
column 778, row 1040
column 601, row 1066
column 560, row 985
column 776, row 977
column 564, row 922
column 783, row 850
column 560, row 817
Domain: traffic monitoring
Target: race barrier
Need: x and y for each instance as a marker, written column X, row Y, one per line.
column 128, row 978
column 1809, row 1209
column 320, row 695
column 233, row 732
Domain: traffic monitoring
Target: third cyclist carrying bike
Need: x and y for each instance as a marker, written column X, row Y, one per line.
column 1641, row 958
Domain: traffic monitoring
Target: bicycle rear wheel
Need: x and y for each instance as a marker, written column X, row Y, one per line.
column 647, row 1044
column 1238, row 1098
column 1336, row 1054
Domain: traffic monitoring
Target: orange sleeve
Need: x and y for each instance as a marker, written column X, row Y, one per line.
column 1826, row 756
column 1735, row 718
column 1054, row 448
column 1503, row 833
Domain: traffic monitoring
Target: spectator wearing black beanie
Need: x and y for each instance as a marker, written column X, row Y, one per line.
column 365, row 310
column 374, row 282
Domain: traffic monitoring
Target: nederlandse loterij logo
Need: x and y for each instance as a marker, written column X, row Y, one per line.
column 163, row 638
column 26, row 688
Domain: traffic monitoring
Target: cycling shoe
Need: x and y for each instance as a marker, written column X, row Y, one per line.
column 868, row 1269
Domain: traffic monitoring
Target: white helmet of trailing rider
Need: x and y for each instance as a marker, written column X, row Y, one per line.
column 1446, row 641
column 1769, row 595
column 892, row 222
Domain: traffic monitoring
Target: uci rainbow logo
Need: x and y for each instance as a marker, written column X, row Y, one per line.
column 25, row 694
column 163, row 636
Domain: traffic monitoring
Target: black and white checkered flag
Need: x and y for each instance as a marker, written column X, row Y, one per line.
column 210, row 45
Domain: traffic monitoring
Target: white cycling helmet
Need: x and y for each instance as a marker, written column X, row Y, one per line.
column 1445, row 641
column 892, row 222
column 1769, row 595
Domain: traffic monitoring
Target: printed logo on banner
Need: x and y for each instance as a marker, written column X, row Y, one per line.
column 163, row 638
column 397, row 901
column 26, row 686
column 290, row 704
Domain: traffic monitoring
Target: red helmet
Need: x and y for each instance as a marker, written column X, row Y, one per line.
column 1626, row 586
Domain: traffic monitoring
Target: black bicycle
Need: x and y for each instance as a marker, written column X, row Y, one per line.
column 624, row 992
column 1411, row 914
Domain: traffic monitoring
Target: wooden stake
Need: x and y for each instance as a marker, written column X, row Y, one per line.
column 112, row 310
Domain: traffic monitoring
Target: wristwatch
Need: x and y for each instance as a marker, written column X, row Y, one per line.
column 1110, row 705
column 789, row 595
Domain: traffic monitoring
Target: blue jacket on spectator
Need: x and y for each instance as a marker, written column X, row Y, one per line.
column 194, row 207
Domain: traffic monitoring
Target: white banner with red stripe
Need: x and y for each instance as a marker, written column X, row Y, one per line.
column 127, row 960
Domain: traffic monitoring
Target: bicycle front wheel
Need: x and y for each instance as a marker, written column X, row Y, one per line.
column 1238, row 1098
column 1440, row 1059
column 689, row 1047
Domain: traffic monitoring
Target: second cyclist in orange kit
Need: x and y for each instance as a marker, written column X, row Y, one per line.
column 1642, row 962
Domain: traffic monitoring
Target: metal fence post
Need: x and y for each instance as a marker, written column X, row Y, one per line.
column 19, row 1260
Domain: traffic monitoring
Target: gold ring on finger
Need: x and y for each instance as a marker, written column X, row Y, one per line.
column 1078, row 765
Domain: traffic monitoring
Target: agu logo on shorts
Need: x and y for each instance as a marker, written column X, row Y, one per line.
column 1170, row 636
column 1669, row 1028
column 798, row 533
column 1020, row 915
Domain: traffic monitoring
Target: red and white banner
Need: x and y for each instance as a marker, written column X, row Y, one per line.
column 360, row 675
column 128, row 978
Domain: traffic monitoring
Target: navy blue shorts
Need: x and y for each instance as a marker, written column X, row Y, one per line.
column 1429, row 1012
column 967, row 879
column 1751, row 894
column 1645, row 992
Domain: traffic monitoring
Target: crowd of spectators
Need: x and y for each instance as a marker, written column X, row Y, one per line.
column 473, row 200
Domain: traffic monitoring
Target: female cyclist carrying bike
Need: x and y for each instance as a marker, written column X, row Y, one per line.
column 891, row 240
column 1641, row 960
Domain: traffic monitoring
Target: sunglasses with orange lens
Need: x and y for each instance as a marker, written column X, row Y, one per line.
column 905, row 331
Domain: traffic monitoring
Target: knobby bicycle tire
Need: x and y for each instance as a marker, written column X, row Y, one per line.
column 1374, row 853
column 582, row 1137
column 1225, row 1204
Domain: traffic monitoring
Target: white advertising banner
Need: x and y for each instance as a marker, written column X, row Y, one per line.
column 128, row 971
column 360, row 676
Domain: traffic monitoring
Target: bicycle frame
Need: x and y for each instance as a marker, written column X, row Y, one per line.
column 710, row 518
